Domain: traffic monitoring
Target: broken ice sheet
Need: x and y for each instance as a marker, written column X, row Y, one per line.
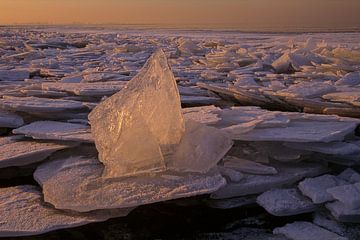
column 54, row 130
column 285, row 202
column 248, row 166
column 253, row 184
column 14, row 75
column 306, row 230
column 347, row 194
column 302, row 131
column 344, row 213
column 315, row 188
column 10, row 120
column 136, row 128
column 21, row 153
column 36, row 105
column 24, row 213
column 76, row 183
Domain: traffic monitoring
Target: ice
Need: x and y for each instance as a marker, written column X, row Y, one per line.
column 41, row 93
column 14, row 75
column 205, row 114
column 200, row 149
column 199, row 100
column 352, row 97
column 307, row 90
column 302, row 131
column 10, row 120
column 253, row 184
column 52, row 130
column 85, row 89
column 315, row 188
column 280, row 98
column 350, row 79
column 289, row 62
column 230, row 174
column 77, row 184
column 187, row 47
column 134, row 129
column 10, row 139
column 36, row 105
column 343, row 213
column 24, row 213
column 325, row 220
column 20, row 153
column 350, row 175
column 247, row 166
column 335, row 148
column 306, row 231
column 347, row 194
column 285, row 202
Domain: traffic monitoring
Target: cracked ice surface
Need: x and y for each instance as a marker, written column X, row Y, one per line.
column 24, row 213
column 298, row 80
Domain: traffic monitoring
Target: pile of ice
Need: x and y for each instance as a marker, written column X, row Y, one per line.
column 143, row 148
column 147, row 151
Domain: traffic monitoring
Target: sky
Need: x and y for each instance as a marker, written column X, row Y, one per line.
column 240, row 14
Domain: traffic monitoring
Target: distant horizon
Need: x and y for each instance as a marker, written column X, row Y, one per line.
column 246, row 15
column 190, row 27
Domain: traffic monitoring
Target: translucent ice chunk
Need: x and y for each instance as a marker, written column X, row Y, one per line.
column 200, row 149
column 136, row 128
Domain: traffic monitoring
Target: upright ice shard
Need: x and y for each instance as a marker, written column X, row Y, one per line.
column 138, row 127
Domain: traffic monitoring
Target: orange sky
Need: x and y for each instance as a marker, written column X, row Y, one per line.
column 236, row 13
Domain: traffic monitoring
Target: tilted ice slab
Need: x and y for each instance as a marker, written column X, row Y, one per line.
column 136, row 128
column 290, row 62
column 200, row 148
column 52, row 130
column 85, row 89
column 10, row 120
column 302, row 131
column 255, row 124
column 206, row 114
column 253, row 184
column 21, row 153
column 23, row 213
column 285, row 202
column 248, row 166
column 325, row 220
column 10, row 139
column 350, row 175
column 77, row 184
column 344, row 213
column 349, row 194
column 14, row 75
column 349, row 79
column 352, row 97
column 307, row 90
column 39, row 105
column 335, row 148
column 230, row 174
column 199, row 100
column 43, row 93
column 315, row 188
column 306, row 231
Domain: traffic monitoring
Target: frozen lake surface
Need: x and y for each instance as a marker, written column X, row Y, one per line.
column 175, row 134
